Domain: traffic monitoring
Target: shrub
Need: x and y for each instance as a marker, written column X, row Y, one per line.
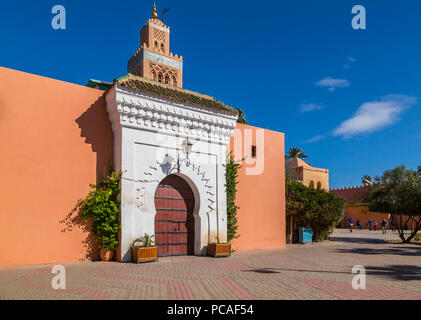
column 145, row 241
column 314, row 208
column 102, row 205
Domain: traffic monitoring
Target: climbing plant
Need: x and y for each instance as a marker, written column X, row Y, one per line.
column 103, row 206
column 232, row 208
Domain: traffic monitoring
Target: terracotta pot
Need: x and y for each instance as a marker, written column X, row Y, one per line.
column 219, row 249
column 144, row 254
column 106, row 255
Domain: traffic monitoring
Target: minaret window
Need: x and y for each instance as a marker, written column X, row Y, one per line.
column 174, row 81
column 160, row 77
column 156, row 44
column 167, row 80
column 154, row 75
column 162, row 47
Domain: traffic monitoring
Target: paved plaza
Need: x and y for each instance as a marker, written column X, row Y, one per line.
column 312, row 271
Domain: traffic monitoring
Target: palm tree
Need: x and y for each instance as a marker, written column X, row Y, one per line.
column 241, row 116
column 295, row 153
column 366, row 179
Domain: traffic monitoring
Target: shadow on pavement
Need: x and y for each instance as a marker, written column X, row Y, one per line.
column 397, row 272
column 399, row 250
column 356, row 240
column 262, row 270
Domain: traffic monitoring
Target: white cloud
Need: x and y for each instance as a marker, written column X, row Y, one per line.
column 316, row 138
column 305, row 107
column 350, row 60
column 375, row 115
column 332, row 83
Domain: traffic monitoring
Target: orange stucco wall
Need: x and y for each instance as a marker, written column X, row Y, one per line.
column 261, row 197
column 55, row 140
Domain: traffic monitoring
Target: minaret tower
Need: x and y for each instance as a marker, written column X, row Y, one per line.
column 153, row 60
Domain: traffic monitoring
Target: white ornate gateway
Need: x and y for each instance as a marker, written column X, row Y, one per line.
column 154, row 127
column 162, row 131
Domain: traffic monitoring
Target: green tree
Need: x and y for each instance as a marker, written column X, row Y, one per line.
column 419, row 171
column 398, row 192
column 241, row 116
column 314, row 208
column 295, row 153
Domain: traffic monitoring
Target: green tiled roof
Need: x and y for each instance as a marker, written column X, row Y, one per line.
column 102, row 85
column 161, row 90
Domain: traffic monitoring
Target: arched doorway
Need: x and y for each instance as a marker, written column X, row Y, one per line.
column 174, row 221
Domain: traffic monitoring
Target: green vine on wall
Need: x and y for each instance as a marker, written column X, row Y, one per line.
column 103, row 206
column 231, row 186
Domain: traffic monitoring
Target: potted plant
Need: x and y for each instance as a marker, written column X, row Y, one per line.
column 103, row 207
column 217, row 249
column 144, row 249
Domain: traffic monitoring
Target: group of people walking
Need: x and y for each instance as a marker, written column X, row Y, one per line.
column 371, row 224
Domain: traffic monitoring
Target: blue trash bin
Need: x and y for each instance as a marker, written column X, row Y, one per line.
column 306, row 235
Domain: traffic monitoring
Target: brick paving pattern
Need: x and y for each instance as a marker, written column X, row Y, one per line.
column 311, row 272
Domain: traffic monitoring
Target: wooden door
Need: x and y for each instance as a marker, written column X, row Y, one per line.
column 174, row 221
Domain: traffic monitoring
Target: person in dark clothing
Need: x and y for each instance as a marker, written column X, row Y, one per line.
column 351, row 223
column 384, row 224
column 375, row 224
column 370, row 224
column 393, row 224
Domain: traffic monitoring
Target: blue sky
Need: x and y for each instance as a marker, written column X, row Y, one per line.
column 349, row 98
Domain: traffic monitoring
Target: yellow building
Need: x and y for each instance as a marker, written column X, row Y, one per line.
column 308, row 175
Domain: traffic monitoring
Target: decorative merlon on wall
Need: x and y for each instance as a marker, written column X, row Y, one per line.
column 141, row 111
column 349, row 188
